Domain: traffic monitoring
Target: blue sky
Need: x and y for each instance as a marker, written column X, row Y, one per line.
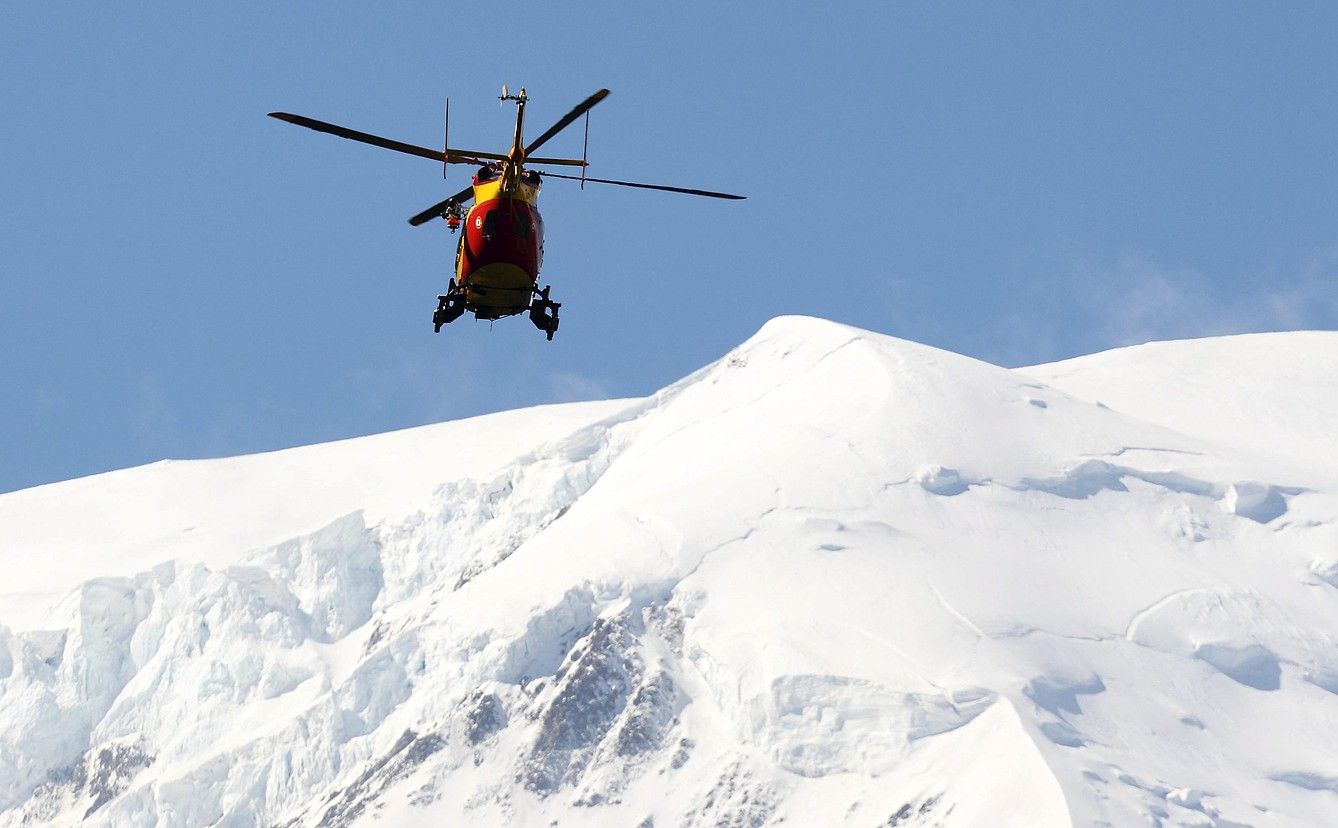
column 183, row 277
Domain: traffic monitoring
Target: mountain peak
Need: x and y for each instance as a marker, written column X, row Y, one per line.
column 832, row 576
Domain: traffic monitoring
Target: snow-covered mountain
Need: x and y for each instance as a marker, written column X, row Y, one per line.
column 834, row 578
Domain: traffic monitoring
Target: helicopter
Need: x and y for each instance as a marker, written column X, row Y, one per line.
column 501, row 245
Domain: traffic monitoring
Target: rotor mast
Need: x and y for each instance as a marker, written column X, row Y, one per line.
column 515, row 159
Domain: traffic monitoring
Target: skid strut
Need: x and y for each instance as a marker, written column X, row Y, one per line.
column 544, row 313
column 450, row 306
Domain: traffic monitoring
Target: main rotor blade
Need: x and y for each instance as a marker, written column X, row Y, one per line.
column 581, row 108
column 452, row 156
column 439, row 208
column 463, row 156
column 559, row 162
column 366, row 138
column 665, row 187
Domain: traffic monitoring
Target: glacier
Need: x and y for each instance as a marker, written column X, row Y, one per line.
column 833, row 578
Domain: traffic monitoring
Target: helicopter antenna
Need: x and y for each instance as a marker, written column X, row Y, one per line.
column 446, row 142
column 585, row 149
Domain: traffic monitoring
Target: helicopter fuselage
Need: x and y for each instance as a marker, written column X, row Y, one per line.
column 501, row 246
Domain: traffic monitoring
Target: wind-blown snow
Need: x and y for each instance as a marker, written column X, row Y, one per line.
column 833, row 578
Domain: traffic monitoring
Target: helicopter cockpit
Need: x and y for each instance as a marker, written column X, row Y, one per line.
column 492, row 172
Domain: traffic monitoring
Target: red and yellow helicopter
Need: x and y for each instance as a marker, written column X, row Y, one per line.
column 502, row 247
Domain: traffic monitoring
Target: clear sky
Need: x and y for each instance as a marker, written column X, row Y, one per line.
column 184, row 277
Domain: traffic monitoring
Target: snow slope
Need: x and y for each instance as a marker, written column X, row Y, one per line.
column 1273, row 393
column 833, row 578
column 214, row 511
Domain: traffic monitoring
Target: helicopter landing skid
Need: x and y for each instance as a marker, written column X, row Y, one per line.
column 450, row 307
column 544, row 313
